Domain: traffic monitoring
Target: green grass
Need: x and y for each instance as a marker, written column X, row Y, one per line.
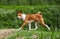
column 27, row 34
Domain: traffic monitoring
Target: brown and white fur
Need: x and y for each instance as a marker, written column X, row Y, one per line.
column 29, row 18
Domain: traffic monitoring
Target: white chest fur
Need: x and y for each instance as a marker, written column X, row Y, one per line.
column 23, row 16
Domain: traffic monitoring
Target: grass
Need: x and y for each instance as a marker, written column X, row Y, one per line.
column 25, row 34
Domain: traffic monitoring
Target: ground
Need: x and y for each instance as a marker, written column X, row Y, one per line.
column 6, row 32
column 27, row 34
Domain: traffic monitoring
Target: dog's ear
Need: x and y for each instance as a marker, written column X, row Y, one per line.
column 20, row 11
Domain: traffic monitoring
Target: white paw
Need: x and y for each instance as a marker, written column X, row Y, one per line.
column 32, row 29
column 18, row 29
column 49, row 29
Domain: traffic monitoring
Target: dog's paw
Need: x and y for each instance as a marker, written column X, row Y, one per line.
column 32, row 29
column 19, row 29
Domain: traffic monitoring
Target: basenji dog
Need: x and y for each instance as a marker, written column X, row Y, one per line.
column 29, row 18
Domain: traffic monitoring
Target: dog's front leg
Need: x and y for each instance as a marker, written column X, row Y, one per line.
column 29, row 25
column 36, row 25
column 24, row 23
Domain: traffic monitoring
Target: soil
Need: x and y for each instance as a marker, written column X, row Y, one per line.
column 6, row 32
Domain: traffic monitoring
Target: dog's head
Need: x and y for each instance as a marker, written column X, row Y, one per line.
column 19, row 14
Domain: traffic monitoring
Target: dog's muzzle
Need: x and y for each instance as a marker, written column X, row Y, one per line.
column 19, row 17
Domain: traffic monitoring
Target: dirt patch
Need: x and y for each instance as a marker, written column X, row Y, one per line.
column 6, row 32
column 20, row 38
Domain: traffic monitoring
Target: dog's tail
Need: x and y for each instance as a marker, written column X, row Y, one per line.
column 39, row 12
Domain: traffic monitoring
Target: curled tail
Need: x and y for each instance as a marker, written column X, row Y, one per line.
column 39, row 12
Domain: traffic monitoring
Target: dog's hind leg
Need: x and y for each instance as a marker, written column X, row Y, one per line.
column 42, row 22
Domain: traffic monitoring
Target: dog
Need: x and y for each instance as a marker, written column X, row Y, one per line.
column 29, row 18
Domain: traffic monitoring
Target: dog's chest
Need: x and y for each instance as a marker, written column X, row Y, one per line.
column 23, row 16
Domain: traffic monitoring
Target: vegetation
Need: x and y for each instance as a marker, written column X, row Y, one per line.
column 8, row 17
column 50, row 10
column 29, row 2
